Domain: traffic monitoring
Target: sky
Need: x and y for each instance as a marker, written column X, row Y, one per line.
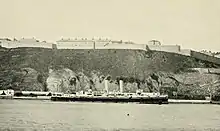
column 193, row 24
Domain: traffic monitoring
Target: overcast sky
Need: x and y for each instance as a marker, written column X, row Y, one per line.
column 193, row 24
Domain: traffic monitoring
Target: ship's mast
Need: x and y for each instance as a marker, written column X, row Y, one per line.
column 82, row 74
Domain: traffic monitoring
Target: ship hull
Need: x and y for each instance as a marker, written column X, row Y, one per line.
column 140, row 100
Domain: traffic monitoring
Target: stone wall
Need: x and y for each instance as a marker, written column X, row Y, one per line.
column 9, row 44
column 166, row 48
column 94, row 44
column 105, row 44
column 186, row 52
column 25, row 43
column 98, row 44
column 121, row 46
column 35, row 44
column 69, row 45
column 76, row 44
column 170, row 48
column 205, row 57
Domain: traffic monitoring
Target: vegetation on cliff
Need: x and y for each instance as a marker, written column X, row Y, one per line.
column 73, row 70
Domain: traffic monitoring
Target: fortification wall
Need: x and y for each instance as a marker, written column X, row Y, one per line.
column 73, row 43
column 170, row 48
column 105, row 44
column 77, row 42
column 16, row 44
column 166, row 48
column 8, row 44
column 35, row 44
column 121, row 46
column 205, row 57
column 186, row 52
column 98, row 45
column 69, row 45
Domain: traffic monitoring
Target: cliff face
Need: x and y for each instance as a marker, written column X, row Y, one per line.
column 63, row 80
column 73, row 70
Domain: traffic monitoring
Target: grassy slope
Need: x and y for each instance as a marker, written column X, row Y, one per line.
column 114, row 62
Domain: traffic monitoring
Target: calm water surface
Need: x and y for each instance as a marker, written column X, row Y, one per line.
column 46, row 115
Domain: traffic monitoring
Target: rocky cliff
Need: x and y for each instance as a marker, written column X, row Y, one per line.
column 74, row 70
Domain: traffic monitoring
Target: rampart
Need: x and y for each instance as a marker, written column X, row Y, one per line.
column 25, row 43
column 170, row 48
column 69, row 45
column 93, row 44
column 121, row 46
column 106, row 44
column 205, row 57
column 98, row 44
column 73, row 44
column 186, row 52
column 165, row 48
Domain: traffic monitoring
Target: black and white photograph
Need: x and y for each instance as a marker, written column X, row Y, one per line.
column 109, row 65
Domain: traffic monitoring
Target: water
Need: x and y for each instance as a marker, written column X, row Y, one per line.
column 29, row 115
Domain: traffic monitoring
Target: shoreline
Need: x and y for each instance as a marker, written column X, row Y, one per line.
column 170, row 101
column 25, row 97
column 177, row 101
column 31, row 98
